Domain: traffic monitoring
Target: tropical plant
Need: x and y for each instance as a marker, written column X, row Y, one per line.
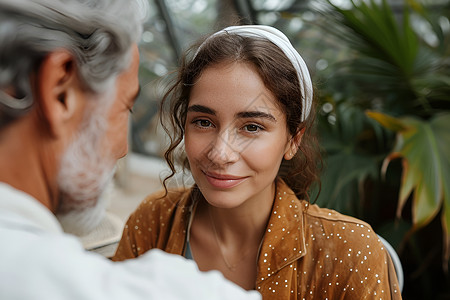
column 424, row 147
column 402, row 77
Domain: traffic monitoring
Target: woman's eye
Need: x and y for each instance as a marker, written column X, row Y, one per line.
column 252, row 128
column 203, row 123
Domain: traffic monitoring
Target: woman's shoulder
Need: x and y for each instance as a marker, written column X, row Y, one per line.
column 330, row 225
column 330, row 215
column 163, row 200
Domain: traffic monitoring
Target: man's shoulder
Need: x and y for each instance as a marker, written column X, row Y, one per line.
column 56, row 266
column 45, row 253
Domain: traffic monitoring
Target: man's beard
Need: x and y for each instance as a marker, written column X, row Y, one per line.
column 85, row 171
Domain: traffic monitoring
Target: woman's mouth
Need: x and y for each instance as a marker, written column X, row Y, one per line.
column 223, row 181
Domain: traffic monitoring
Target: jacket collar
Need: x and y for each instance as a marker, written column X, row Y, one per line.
column 284, row 240
column 17, row 207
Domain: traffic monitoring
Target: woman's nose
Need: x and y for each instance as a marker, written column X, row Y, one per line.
column 224, row 148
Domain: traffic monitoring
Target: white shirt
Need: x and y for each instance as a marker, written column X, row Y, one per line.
column 39, row 261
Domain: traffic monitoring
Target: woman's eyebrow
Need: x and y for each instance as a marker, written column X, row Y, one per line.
column 201, row 109
column 242, row 115
column 256, row 114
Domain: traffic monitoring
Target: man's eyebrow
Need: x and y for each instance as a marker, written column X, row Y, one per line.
column 256, row 114
column 201, row 109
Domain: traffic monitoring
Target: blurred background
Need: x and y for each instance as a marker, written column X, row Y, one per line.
column 382, row 73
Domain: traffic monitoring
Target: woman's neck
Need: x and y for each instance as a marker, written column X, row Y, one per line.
column 229, row 239
column 245, row 224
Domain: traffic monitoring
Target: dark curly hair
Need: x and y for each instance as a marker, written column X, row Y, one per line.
column 278, row 75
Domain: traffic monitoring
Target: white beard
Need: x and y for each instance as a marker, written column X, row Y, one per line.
column 84, row 174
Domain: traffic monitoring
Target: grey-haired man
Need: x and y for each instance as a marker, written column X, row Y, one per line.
column 68, row 78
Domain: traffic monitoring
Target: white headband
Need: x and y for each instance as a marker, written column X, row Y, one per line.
column 278, row 38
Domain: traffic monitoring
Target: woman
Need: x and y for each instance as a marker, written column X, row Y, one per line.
column 243, row 106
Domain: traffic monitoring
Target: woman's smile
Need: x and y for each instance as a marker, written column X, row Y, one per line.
column 224, row 181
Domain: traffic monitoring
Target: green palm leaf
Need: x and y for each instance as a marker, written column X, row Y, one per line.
column 348, row 164
column 387, row 58
column 424, row 147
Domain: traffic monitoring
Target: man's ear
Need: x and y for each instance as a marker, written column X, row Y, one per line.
column 59, row 93
column 293, row 144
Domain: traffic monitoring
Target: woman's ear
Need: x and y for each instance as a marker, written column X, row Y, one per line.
column 58, row 92
column 293, row 144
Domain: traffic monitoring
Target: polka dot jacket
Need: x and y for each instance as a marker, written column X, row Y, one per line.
column 308, row 252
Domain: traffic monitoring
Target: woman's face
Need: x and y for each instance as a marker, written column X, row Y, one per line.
column 235, row 136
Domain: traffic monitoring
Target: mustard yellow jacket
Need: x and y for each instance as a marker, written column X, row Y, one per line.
column 307, row 252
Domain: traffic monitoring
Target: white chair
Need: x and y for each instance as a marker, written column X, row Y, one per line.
column 396, row 261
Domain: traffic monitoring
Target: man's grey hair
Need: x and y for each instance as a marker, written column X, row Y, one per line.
column 99, row 33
